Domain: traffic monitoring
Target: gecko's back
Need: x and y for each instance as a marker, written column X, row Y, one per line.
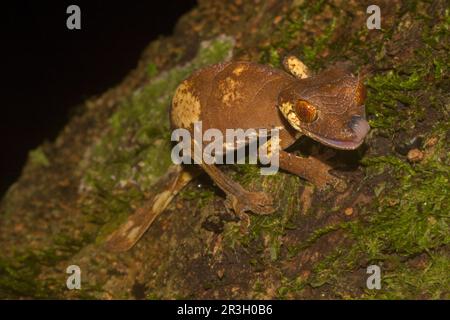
column 230, row 95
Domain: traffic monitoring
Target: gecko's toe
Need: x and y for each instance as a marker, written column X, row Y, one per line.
column 256, row 202
column 326, row 179
column 338, row 182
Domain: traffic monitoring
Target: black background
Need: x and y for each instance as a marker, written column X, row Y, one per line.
column 48, row 69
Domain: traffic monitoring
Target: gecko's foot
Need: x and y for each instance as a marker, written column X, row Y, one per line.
column 323, row 178
column 337, row 183
column 256, row 202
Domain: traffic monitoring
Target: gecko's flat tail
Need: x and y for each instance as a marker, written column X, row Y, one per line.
column 132, row 230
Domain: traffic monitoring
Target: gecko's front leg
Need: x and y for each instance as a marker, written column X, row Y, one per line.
column 311, row 169
column 238, row 199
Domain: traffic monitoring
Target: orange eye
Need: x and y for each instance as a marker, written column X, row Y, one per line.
column 305, row 111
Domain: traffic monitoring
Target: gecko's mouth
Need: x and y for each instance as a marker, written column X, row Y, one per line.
column 359, row 126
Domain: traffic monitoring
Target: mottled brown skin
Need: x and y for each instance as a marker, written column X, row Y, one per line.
column 235, row 95
column 242, row 95
column 327, row 107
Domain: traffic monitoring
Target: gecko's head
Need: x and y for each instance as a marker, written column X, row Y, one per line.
column 328, row 108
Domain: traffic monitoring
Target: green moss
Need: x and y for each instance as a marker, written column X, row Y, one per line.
column 291, row 28
column 273, row 57
column 38, row 157
column 311, row 52
column 265, row 231
column 401, row 97
column 287, row 287
column 202, row 195
column 410, row 215
column 18, row 278
column 293, row 250
column 431, row 281
column 152, row 70
column 295, row 22
column 388, row 95
column 20, row 275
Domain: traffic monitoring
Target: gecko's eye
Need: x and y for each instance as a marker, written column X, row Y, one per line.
column 305, row 111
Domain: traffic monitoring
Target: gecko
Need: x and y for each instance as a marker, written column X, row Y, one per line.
column 327, row 107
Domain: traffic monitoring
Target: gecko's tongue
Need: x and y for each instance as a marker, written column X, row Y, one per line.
column 358, row 125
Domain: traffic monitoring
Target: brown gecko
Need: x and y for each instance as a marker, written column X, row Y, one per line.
column 327, row 107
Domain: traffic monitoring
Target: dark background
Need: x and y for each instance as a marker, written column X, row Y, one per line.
column 48, row 69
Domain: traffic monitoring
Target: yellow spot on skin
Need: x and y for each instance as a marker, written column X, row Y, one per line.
column 229, row 89
column 186, row 106
column 185, row 177
column 271, row 146
column 129, row 225
column 293, row 120
column 132, row 235
column 162, row 200
column 238, row 70
column 296, row 67
column 287, row 109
